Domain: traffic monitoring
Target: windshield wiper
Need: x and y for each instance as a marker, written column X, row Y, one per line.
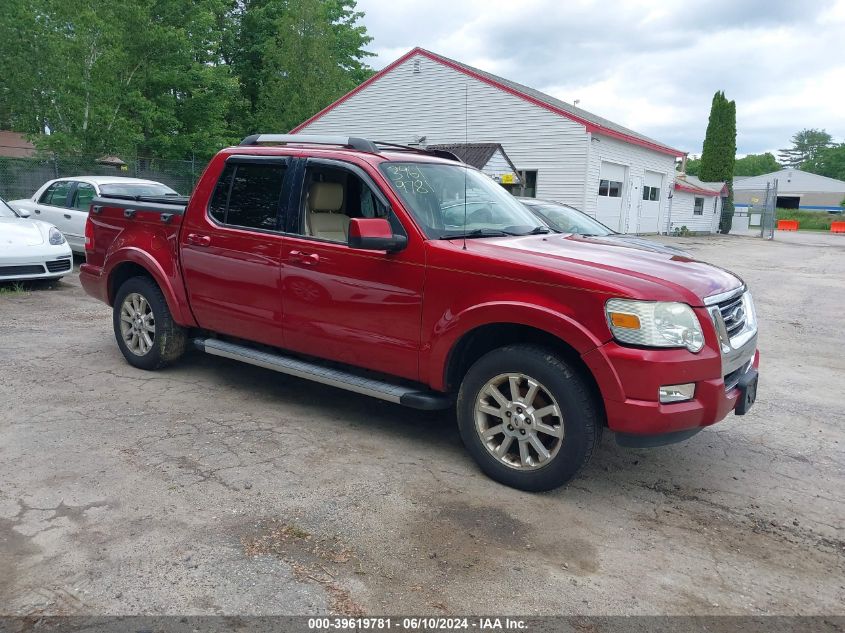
column 477, row 233
column 537, row 230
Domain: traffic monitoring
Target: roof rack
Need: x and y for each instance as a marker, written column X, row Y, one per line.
column 440, row 153
column 352, row 142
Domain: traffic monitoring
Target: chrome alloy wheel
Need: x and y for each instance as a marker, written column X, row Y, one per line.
column 518, row 421
column 137, row 324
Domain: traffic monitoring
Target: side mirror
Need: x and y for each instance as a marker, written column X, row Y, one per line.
column 24, row 213
column 375, row 234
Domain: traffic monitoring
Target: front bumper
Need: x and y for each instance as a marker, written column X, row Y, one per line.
column 630, row 378
column 51, row 266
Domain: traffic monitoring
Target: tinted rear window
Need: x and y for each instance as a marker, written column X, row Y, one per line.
column 249, row 195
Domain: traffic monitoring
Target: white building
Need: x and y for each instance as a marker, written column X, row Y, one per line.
column 561, row 152
column 796, row 189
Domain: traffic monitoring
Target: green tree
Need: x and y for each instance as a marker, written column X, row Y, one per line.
column 806, row 144
column 294, row 57
column 719, row 153
column 139, row 77
column 693, row 166
column 756, row 165
column 828, row 161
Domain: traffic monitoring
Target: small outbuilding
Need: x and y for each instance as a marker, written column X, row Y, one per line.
column 490, row 158
column 696, row 204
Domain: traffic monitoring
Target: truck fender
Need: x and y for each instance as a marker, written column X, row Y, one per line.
column 168, row 279
column 452, row 327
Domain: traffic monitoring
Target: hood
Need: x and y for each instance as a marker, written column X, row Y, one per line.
column 640, row 242
column 21, row 232
column 685, row 278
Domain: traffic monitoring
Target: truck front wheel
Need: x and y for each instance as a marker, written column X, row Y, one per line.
column 143, row 326
column 527, row 417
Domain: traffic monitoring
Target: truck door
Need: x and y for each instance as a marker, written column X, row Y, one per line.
column 350, row 305
column 231, row 251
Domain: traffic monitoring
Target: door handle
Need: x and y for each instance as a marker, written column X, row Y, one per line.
column 38, row 210
column 67, row 216
column 307, row 259
column 198, row 240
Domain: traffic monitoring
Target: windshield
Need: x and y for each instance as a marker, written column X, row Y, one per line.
column 136, row 189
column 566, row 219
column 453, row 200
column 6, row 211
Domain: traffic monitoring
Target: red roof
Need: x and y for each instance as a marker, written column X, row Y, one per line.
column 593, row 124
column 15, row 145
column 685, row 186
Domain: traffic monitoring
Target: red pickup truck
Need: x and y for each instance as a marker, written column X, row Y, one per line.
column 405, row 275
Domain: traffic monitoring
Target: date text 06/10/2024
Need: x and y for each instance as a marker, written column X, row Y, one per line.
column 416, row 624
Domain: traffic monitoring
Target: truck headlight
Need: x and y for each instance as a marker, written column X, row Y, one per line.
column 56, row 236
column 654, row 324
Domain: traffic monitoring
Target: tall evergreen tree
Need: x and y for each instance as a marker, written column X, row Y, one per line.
column 719, row 152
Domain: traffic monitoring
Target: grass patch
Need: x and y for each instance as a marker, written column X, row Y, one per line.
column 15, row 288
column 811, row 220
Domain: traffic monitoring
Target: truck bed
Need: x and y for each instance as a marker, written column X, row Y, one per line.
column 141, row 229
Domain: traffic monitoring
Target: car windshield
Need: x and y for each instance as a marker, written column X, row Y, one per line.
column 136, row 189
column 566, row 219
column 6, row 211
column 453, row 200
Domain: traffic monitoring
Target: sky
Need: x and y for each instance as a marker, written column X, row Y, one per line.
column 650, row 66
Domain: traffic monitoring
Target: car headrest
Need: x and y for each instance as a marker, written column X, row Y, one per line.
column 325, row 196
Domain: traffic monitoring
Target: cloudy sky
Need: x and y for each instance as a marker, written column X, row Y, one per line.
column 650, row 65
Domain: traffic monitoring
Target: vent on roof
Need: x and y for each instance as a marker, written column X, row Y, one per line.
column 417, row 68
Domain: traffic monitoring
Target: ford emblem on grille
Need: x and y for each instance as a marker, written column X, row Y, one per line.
column 737, row 314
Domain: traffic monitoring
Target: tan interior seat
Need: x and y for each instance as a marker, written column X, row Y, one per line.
column 323, row 216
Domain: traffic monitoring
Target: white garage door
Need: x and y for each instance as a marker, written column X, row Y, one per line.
column 652, row 199
column 611, row 191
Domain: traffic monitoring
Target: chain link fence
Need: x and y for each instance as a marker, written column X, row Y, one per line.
column 21, row 177
column 755, row 209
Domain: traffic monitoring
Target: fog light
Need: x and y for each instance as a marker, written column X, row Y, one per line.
column 677, row 393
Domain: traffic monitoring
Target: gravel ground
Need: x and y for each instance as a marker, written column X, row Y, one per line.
column 218, row 488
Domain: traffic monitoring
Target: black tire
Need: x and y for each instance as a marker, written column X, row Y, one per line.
column 580, row 418
column 169, row 338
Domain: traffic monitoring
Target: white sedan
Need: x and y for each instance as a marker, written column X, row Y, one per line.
column 31, row 249
column 64, row 202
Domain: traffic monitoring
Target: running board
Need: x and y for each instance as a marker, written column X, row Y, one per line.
column 400, row 394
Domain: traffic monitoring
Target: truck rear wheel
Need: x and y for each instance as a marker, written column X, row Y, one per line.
column 143, row 326
column 527, row 417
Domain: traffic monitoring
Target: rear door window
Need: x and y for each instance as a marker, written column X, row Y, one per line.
column 84, row 195
column 57, row 194
column 249, row 195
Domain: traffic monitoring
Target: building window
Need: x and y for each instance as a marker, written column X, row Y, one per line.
column 610, row 188
column 698, row 207
column 651, row 193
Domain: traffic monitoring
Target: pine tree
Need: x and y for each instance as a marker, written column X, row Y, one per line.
column 806, row 146
column 718, row 155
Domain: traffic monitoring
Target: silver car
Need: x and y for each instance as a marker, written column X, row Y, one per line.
column 566, row 219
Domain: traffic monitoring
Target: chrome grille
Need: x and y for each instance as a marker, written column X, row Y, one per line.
column 733, row 314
